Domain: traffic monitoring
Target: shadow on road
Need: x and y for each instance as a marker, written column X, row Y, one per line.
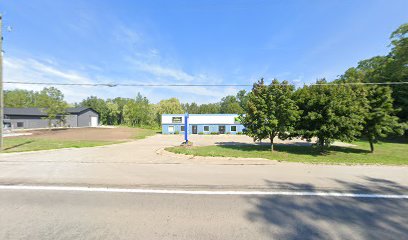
column 303, row 217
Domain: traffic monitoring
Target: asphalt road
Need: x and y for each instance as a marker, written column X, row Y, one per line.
column 86, row 215
column 40, row 214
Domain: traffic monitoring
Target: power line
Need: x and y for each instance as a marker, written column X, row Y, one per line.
column 185, row 85
column 360, row 83
column 129, row 84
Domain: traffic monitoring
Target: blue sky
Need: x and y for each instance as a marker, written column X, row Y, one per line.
column 213, row 41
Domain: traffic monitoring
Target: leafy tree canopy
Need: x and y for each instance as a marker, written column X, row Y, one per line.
column 51, row 100
column 270, row 111
column 230, row 104
column 330, row 112
column 380, row 119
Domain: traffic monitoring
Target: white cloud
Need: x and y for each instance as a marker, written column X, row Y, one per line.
column 33, row 70
column 127, row 35
column 160, row 71
column 30, row 70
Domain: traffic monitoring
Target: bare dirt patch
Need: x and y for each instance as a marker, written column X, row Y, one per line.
column 95, row 134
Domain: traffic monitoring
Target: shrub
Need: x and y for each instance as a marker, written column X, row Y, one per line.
column 214, row 133
column 200, row 133
column 176, row 132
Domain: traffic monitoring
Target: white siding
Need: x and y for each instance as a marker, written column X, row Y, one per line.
column 202, row 119
column 167, row 119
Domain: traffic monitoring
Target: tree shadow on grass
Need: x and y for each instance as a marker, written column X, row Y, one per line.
column 292, row 148
column 314, row 217
column 18, row 145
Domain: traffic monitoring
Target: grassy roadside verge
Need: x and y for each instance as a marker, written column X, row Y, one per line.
column 388, row 153
column 24, row 144
column 35, row 144
column 142, row 133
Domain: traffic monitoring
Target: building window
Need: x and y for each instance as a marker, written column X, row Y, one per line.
column 206, row 128
column 182, row 128
column 20, row 124
column 233, row 128
column 171, row 129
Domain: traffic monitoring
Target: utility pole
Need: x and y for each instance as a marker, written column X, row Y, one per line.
column 1, row 85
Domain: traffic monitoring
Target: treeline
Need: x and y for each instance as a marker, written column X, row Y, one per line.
column 51, row 100
column 140, row 112
column 346, row 109
column 325, row 111
column 133, row 112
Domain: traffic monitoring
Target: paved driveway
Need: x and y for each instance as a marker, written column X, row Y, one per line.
column 143, row 163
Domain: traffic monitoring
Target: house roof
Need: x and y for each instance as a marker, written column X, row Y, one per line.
column 76, row 110
column 39, row 111
column 24, row 111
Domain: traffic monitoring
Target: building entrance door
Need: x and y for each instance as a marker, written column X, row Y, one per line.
column 94, row 121
column 194, row 129
column 221, row 129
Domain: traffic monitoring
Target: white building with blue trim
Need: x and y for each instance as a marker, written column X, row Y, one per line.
column 202, row 124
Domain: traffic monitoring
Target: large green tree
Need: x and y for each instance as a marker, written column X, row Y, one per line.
column 138, row 112
column 168, row 106
column 51, row 100
column 397, row 69
column 391, row 68
column 380, row 119
column 120, row 102
column 192, row 108
column 209, row 108
column 230, row 104
column 19, row 98
column 271, row 111
column 99, row 105
column 113, row 112
column 242, row 98
column 330, row 112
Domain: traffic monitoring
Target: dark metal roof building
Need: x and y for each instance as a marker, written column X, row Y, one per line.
column 30, row 118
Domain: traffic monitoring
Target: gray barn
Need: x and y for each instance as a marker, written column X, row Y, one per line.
column 30, row 118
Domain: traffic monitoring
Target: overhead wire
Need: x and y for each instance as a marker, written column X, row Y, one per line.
column 188, row 85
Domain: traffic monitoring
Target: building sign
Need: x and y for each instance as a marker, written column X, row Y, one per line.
column 176, row 119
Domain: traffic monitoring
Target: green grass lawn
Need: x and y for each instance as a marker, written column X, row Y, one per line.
column 142, row 133
column 35, row 144
column 391, row 153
